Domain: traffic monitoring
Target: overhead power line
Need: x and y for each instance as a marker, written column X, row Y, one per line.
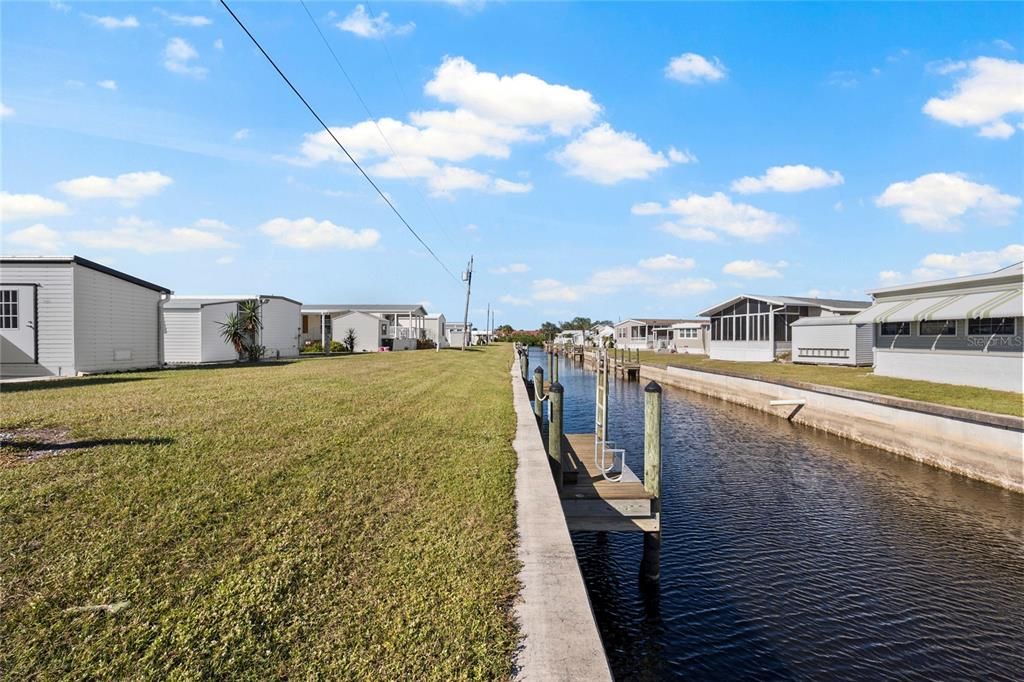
column 336, row 140
column 373, row 118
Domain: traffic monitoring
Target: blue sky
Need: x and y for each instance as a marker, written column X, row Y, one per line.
column 608, row 160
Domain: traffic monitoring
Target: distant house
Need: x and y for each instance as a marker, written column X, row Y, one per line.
column 754, row 328
column 964, row 330
column 434, row 326
column 571, row 337
column 192, row 327
column 646, row 333
column 601, row 333
column 455, row 332
column 68, row 315
column 832, row 340
column 400, row 325
column 690, row 336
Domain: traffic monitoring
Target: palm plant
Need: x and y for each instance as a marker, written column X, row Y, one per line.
column 233, row 330
column 241, row 329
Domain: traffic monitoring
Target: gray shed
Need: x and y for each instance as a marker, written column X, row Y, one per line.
column 60, row 316
column 832, row 340
column 191, row 327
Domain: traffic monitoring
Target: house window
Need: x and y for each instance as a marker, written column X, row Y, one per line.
column 305, row 324
column 991, row 325
column 895, row 328
column 937, row 328
column 8, row 309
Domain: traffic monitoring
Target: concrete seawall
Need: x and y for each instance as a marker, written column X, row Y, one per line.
column 561, row 639
column 978, row 445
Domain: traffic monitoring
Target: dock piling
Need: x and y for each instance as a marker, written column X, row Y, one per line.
column 650, row 566
column 555, row 395
column 538, row 392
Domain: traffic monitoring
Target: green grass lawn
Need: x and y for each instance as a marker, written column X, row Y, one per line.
column 854, row 378
column 336, row 518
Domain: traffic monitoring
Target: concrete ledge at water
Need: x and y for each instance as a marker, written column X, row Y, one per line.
column 985, row 447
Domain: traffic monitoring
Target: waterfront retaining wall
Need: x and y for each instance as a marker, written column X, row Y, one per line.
column 560, row 636
column 976, row 444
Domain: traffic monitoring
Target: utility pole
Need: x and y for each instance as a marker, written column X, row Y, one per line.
column 467, row 277
column 487, row 325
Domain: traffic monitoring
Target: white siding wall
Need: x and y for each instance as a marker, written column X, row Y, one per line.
column 214, row 347
column 367, row 330
column 742, row 351
column 816, row 338
column 282, row 322
column 55, row 325
column 182, row 336
column 1000, row 371
column 114, row 319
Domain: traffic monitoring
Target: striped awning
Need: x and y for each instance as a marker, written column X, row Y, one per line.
column 1002, row 303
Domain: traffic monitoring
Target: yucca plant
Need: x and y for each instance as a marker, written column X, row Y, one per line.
column 241, row 330
column 233, row 330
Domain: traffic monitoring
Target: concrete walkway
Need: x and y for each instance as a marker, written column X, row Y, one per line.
column 561, row 640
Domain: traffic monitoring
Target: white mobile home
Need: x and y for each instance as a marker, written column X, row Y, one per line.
column 434, row 326
column 753, row 328
column 455, row 332
column 964, row 330
column 832, row 340
column 367, row 329
column 192, row 327
column 68, row 315
column 646, row 333
column 401, row 325
column 689, row 337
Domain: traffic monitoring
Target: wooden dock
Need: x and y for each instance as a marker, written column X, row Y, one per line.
column 592, row 503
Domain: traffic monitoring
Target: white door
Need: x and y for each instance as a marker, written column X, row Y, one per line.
column 17, row 324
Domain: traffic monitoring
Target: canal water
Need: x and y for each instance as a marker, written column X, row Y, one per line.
column 791, row 554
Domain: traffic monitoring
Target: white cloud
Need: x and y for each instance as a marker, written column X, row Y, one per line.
column 676, row 156
column 554, row 290
column 5, row 111
column 990, row 90
column 33, row 240
column 225, row 260
column 514, row 300
column 605, row 156
column 945, row 265
column 307, row 233
column 362, row 24
column 60, row 6
column 753, row 269
column 107, row 84
column 218, row 44
column 196, row 21
column 179, row 57
column 241, row 134
column 700, row 217
column 668, row 262
column 974, row 262
column 685, row 287
column 843, row 79
column 510, row 269
column 692, row 68
column 127, row 187
column 999, row 130
column 693, row 234
column 29, row 206
column 211, row 224
column 502, row 186
column 937, row 201
column 794, row 178
column 440, row 137
column 113, row 22
column 519, row 100
column 1004, row 44
column 146, row 237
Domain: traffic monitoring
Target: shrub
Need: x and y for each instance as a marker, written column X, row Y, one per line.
column 338, row 347
column 313, row 347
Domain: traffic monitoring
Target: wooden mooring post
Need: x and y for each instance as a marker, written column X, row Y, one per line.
column 555, row 394
column 538, row 392
column 650, row 565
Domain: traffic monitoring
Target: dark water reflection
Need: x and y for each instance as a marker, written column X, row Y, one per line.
column 791, row 554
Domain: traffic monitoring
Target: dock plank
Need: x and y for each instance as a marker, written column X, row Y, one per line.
column 590, row 484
